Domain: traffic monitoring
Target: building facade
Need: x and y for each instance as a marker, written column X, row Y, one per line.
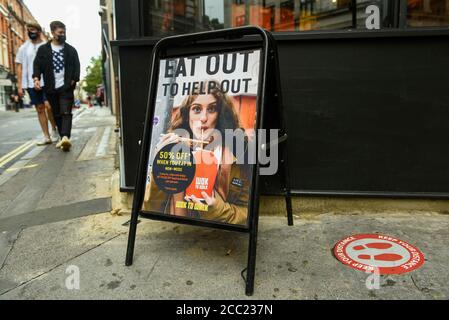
column 109, row 59
column 363, row 83
column 14, row 15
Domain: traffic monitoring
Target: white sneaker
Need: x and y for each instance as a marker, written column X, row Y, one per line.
column 44, row 141
column 54, row 135
column 65, row 144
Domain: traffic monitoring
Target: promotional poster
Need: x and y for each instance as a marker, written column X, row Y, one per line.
column 203, row 128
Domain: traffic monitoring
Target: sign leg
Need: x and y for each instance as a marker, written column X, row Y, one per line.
column 251, row 270
column 286, row 184
column 288, row 201
column 132, row 238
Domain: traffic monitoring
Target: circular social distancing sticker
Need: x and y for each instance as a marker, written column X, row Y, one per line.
column 378, row 253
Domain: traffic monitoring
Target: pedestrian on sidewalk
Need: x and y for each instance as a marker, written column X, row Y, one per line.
column 25, row 67
column 100, row 96
column 59, row 64
column 89, row 101
column 14, row 105
column 18, row 102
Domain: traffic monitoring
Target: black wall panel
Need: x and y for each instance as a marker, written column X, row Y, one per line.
column 368, row 114
column 135, row 64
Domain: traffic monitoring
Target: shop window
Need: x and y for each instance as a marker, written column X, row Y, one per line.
column 287, row 16
column 240, row 21
column 268, row 15
column 377, row 14
column 427, row 13
column 169, row 17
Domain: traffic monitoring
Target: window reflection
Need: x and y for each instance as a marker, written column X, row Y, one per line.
column 427, row 13
column 167, row 17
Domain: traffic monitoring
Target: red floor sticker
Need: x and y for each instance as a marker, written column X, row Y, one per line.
column 389, row 255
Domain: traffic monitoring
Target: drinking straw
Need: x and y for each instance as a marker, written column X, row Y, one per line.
column 195, row 141
column 202, row 138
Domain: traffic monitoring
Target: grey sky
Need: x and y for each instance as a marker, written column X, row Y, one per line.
column 82, row 20
column 214, row 9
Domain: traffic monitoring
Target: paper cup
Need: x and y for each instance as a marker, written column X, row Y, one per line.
column 205, row 174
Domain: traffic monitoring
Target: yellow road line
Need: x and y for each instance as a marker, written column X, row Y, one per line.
column 13, row 154
column 14, row 151
column 31, row 166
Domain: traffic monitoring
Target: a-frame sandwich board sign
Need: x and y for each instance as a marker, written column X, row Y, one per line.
column 199, row 162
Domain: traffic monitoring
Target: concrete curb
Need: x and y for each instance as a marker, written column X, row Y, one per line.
column 318, row 205
column 312, row 206
column 121, row 202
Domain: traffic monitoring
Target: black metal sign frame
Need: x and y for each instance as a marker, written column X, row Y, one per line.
column 269, row 105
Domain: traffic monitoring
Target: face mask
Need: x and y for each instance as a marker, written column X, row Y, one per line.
column 33, row 35
column 62, row 39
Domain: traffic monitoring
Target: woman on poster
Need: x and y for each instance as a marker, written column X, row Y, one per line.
column 200, row 116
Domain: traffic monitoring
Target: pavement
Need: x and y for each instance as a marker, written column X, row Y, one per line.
column 183, row 262
column 45, row 179
column 58, row 226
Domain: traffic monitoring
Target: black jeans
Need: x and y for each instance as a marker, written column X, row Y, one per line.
column 61, row 105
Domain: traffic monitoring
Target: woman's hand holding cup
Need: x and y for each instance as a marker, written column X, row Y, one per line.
column 210, row 201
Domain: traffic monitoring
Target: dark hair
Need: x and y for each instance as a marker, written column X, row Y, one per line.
column 56, row 25
column 35, row 26
column 228, row 117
